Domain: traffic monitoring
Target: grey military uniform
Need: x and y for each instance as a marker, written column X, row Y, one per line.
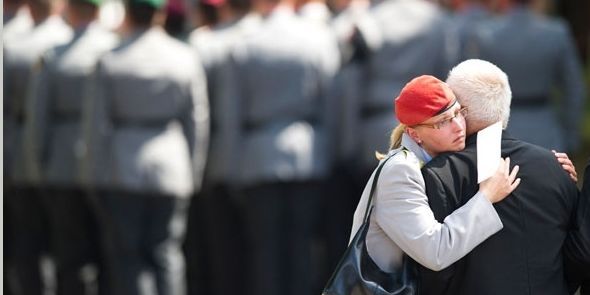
column 468, row 24
column 57, row 100
column 416, row 39
column 26, row 211
column 212, row 227
column 357, row 34
column 15, row 27
column 538, row 55
column 20, row 59
column 147, row 133
column 150, row 117
column 62, row 89
column 280, row 122
column 214, row 46
column 277, row 118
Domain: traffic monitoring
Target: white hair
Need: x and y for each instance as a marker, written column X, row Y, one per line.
column 484, row 89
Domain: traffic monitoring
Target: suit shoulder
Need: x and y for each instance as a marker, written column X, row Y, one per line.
column 445, row 160
column 533, row 157
column 531, row 150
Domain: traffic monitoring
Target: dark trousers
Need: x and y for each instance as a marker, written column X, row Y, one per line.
column 147, row 232
column 30, row 239
column 8, row 240
column 280, row 219
column 214, row 244
column 75, row 242
column 344, row 190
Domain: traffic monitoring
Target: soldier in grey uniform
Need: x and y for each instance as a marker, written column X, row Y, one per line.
column 16, row 23
column 469, row 16
column 214, row 242
column 357, row 35
column 416, row 39
column 147, row 136
column 26, row 209
column 276, row 113
column 57, row 102
column 213, row 44
column 538, row 54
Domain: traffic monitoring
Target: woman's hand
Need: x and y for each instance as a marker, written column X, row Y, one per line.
column 567, row 165
column 502, row 183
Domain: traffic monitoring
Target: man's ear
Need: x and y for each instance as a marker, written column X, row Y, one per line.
column 413, row 134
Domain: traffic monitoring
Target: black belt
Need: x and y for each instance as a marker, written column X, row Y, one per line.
column 530, row 101
column 250, row 126
column 157, row 124
column 65, row 118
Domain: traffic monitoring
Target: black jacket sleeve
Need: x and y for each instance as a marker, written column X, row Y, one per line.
column 437, row 282
column 576, row 249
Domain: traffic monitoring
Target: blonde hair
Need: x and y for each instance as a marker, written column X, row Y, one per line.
column 395, row 140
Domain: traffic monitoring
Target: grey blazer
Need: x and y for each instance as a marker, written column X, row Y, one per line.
column 538, row 55
column 276, row 101
column 21, row 60
column 148, row 124
column 58, row 100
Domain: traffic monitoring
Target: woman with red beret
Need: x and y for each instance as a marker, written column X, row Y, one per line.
column 432, row 122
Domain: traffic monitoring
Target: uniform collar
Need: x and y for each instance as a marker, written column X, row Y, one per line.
column 412, row 146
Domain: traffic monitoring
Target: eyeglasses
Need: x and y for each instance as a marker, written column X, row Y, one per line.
column 460, row 113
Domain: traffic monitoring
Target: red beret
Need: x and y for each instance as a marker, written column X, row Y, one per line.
column 422, row 98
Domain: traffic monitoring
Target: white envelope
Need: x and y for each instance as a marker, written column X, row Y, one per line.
column 488, row 151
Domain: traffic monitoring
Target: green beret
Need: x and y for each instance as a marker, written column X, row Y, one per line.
column 153, row 3
column 93, row 2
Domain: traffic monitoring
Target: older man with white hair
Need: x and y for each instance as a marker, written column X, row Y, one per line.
column 527, row 256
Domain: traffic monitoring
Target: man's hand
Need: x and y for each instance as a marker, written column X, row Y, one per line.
column 566, row 164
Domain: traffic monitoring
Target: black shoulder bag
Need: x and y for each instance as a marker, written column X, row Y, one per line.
column 357, row 273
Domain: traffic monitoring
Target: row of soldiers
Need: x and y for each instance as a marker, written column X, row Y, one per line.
column 270, row 112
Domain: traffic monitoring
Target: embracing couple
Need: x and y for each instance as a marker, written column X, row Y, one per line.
column 521, row 231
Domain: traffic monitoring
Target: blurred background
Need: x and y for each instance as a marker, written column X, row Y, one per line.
column 221, row 146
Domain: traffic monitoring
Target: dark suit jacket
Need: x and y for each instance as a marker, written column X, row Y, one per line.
column 577, row 246
column 525, row 257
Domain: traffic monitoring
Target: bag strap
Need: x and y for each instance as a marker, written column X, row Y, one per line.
column 374, row 185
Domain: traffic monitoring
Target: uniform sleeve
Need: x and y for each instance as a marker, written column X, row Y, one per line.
column 402, row 211
column 96, row 130
column 228, row 117
column 37, row 118
column 329, row 65
column 195, row 121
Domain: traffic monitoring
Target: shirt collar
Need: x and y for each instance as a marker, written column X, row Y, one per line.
column 412, row 146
